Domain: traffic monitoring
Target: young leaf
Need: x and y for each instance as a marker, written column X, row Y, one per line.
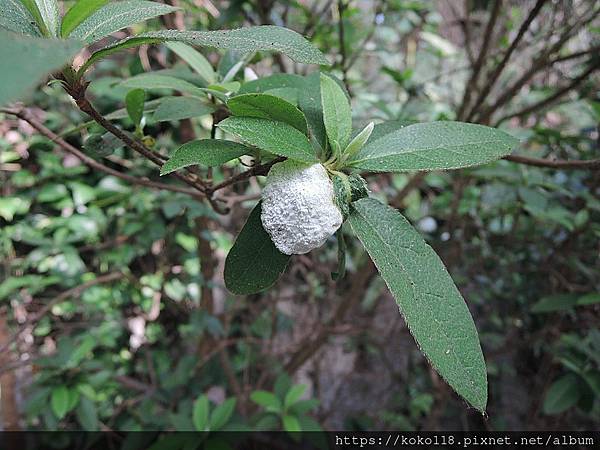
column 35, row 13
column 207, row 152
column 432, row 306
column 359, row 140
column 274, row 137
column 59, row 401
column 80, row 11
column 200, row 413
column 253, row 263
column 434, row 145
column 15, row 17
column 293, row 395
column 291, row 424
column 337, row 115
column 155, row 81
column 221, row 414
column 30, row 60
column 267, row 400
column 134, row 103
column 563, row 394
column 50, row 15
column 195, row 59
column 266, row 106
column 178, row 108
column 246, row 40
column 115, row 16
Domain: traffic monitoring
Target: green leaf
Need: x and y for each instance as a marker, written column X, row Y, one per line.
column 430, row 303
column 249, row 39
column 178, row 108
column 102, row 144
column 359, row 140
column 134, row 103
column 195, row 59
column 14, row 16
column 293, row 395
column 434, row 145
column 309, row 101
column 291, row 424
column 589, row 299
column 207, row 152
column 221, row 414
column 150, row 81
column 253, row 263
column 557, row 302
column 59, row 401
column 275, row 81
column 30, row 60
column 274, row 137
column 117, row 15
column 267, row 400
column 337, row 115
column 50, row 15
column 35, row 13
column 87, row 414
column 563, row 394
column 267, row 106
column 80, row 11
column 383, row 128
column 200, row 413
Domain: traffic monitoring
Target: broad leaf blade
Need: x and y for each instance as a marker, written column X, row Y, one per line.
column 562, row 395
column 207, row 152
column 250, row 39
column 116, row 16
column 221, row 414
column 267, row 106
column 195, row 59
column 59, row 401
column 200, row 413
column 337, row 115
column 274, row 137
column 155, row 81
column 309, row 101
column 134, row 103
column 80, row 11
column 50, row 15
column 15, row 17
column 434, row 145
column 275, row 81
column 31, row 59
column 432, row 306
column 253, row 263
column 178, row 108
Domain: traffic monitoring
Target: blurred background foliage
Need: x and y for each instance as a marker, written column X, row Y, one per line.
column 113, row 313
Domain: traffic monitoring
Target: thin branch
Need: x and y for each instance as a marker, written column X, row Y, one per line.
column 591, row 164
column 255, row 171
column 551, row 99
column 543, row 61
column 25, row 115
column 491, row 80
column 487, row 37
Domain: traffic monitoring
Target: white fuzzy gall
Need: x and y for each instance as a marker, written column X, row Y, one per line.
column 298, row 209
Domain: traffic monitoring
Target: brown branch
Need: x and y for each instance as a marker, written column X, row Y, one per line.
column 255, row 171
column 591, row 164
column 543, row 61
column 25, row 115
column 594, row 65
column 489, row 30
column 490, row 81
